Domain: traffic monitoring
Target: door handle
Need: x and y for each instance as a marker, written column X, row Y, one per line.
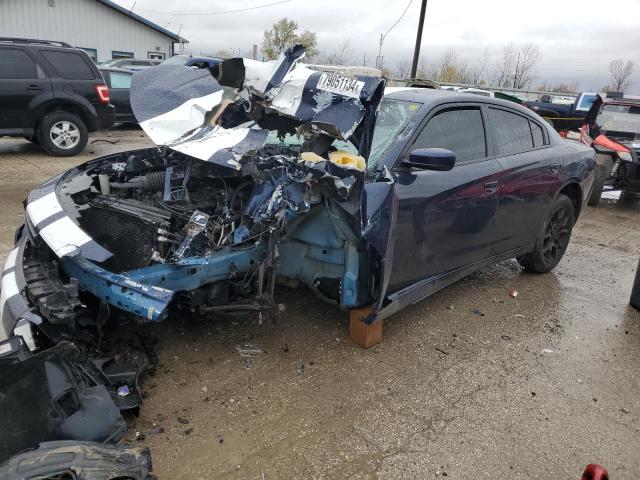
column 554, row 167
column 35, row 88
column 491, row 187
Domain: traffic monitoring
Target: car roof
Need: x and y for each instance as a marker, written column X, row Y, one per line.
column 432, row 97
column 115, row 69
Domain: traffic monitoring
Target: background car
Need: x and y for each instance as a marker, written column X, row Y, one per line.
column 189, row 61
column 130, row 63
column 119, row 82
column 612, row 128
column 51, row 94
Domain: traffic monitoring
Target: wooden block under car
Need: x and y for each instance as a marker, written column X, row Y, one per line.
column 360, row 333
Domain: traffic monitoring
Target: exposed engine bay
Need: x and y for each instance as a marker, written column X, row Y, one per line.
column 258, row 177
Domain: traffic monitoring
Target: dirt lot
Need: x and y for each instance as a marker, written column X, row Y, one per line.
column 469, row 383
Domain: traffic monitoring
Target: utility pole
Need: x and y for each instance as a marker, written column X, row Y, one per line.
column 416, row 51
column 379, row 57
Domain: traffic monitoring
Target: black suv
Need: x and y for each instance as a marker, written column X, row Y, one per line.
column 51, row 94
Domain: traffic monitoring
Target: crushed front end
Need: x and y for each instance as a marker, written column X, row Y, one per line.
column 252, row 183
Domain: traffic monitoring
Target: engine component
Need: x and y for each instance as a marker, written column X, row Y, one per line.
column 195, row 228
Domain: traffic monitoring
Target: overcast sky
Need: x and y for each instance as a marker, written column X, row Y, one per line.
column 577, row 38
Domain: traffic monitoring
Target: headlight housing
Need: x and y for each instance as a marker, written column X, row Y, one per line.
column 626, row 156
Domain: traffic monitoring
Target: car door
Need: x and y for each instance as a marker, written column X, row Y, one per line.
column 529, row 179
column 21, row 82
column 119, row 84
column 445, row 220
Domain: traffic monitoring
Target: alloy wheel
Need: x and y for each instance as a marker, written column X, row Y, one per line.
column 64, row 135
column 556, row 236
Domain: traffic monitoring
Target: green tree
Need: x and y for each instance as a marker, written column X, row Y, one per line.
column 283, row 34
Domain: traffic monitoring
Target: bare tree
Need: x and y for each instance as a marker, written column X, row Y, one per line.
column 479, row 68
column 620, row 72
column 403, row 69
column 561, row 87
column 339, row 56
column 502, row 76
column 526, row 61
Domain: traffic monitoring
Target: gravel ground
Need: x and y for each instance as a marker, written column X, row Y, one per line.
column 470, row 383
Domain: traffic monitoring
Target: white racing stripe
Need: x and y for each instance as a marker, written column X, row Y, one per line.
column 8, row 289
column 173, row 124
column 219, row 139
column 288, row 96
column 10, row 262
column 64, row 236
column 43, row 208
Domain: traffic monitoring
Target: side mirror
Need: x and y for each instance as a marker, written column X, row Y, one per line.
column 438, row 159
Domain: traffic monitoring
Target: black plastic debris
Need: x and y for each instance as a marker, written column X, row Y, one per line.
column 57, row 394
column 79, row 461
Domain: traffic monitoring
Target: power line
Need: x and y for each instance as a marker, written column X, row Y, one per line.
column 216, row 13
column 384, row 35
column 398, row 21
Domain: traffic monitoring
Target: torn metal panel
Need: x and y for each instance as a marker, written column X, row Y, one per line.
column 79, row 461
column 379, row 213
column 188, row 113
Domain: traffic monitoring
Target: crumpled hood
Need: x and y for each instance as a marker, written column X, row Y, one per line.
column 220, row 114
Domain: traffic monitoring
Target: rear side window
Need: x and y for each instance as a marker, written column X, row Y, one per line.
column 15, row 63
column 460, row 130
column 538, row 136
column 120, row 80
column 511, row 132
column 69, row 65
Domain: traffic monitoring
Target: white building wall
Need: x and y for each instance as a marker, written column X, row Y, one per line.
column 81, row 23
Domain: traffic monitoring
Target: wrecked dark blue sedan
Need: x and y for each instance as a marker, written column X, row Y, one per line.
column 269, row 172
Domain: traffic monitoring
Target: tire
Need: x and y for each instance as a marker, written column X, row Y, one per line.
column 598, row 185
column 62, row 134
column 554, row 237
column 604, row 167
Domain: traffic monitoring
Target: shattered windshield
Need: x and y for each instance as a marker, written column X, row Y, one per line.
column 620, row 118
column 393, row 116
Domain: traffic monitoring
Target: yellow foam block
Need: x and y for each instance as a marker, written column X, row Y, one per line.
column 310, row 157
column 342, row 157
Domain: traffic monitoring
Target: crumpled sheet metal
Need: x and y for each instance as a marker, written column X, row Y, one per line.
column 173, row 104
column 286, row 187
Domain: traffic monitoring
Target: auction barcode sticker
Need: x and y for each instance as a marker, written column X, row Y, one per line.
column 332, row 82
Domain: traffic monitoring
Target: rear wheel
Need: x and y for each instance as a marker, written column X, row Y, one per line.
column 62, row 134
column 604, row 165
column 554, row 238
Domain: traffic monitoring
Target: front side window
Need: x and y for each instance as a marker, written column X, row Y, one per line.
column 460, row 130
column 511, row 132
column 120, row 80
column 16, row 64
column 69, row 65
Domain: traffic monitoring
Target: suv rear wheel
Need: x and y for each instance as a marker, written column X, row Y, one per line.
column 62, row 134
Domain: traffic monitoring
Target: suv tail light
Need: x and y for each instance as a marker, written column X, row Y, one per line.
column 103, row 93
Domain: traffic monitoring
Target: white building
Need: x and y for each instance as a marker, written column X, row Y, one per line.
column 102, row 28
